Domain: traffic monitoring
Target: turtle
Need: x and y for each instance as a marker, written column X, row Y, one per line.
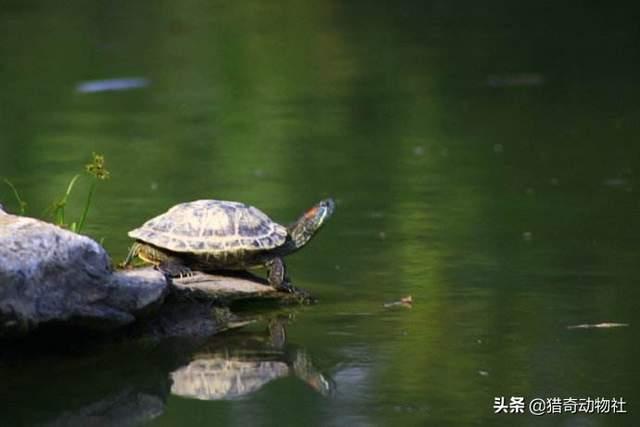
column 211, row 235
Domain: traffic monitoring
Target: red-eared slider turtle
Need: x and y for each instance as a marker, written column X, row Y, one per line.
column 208, row 235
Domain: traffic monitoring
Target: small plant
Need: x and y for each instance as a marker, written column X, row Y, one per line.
column 98, row 171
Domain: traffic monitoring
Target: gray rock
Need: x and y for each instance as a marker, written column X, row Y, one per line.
column 226, row 288
column 51, row 274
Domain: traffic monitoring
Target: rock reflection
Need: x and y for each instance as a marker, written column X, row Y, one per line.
column 129, row 408
column 235, row 366
column 106, row 384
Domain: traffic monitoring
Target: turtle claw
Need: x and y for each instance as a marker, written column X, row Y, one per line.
column 303, row 296
column 286, row 286
column 185, row 274
column 174, row 270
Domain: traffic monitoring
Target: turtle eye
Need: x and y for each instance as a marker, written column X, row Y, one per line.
column 328, row 205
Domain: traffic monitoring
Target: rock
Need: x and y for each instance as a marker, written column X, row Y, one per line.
column 197, row 305
column 48, row 274
column 138, row 291
column 230, row 287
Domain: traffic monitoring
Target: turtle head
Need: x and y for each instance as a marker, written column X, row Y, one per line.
column 310, row 222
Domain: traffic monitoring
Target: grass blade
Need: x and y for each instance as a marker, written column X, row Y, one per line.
column 59, row 207
column 85, row 211
column 21, row 203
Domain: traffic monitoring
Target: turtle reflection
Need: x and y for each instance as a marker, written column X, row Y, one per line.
column 233, row 366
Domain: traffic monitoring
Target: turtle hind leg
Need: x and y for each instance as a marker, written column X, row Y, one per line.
column 167, row 263
column 277, row 275
column 133, row 253
column 174, row 267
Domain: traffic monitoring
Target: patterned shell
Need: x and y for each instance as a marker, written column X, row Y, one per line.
column 212, row 227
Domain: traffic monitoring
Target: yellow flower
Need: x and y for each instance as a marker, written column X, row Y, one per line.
column 97, row 167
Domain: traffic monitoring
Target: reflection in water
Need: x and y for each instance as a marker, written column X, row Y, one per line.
column 127, row 384
column 514, row 80
column 214, row 378
column 110, row 85
column 76, row 384
column 243, row 364
column 128, row 408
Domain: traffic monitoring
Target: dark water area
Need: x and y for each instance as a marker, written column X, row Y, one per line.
column 483, row 157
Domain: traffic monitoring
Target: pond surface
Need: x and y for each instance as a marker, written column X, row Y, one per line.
column 484, row 159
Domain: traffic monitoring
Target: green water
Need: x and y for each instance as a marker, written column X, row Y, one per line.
column 484, row 160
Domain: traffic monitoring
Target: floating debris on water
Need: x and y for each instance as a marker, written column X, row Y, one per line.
column 357, row 313
column 341, row 333
column 554, row 181
column 418, row 151
column 602, row 325
column 527, row 236
column 403, row 302
column 382, row 235
column 483, row 373
column 616, row 182
column 515, row 80
column 110, row 85
column 408, row 408
column 619, row 184
column 498, row 148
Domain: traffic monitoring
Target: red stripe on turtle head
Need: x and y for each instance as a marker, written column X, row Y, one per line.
column 311, row 213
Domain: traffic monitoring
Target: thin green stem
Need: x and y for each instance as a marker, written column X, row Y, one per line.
column 59, row 207
column 85, row 212
column 21, row 203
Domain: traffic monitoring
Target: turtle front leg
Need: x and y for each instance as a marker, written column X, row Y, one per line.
column 277, row 274
column 174, row 267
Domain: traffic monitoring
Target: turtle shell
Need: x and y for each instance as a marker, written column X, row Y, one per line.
column 212, row 227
